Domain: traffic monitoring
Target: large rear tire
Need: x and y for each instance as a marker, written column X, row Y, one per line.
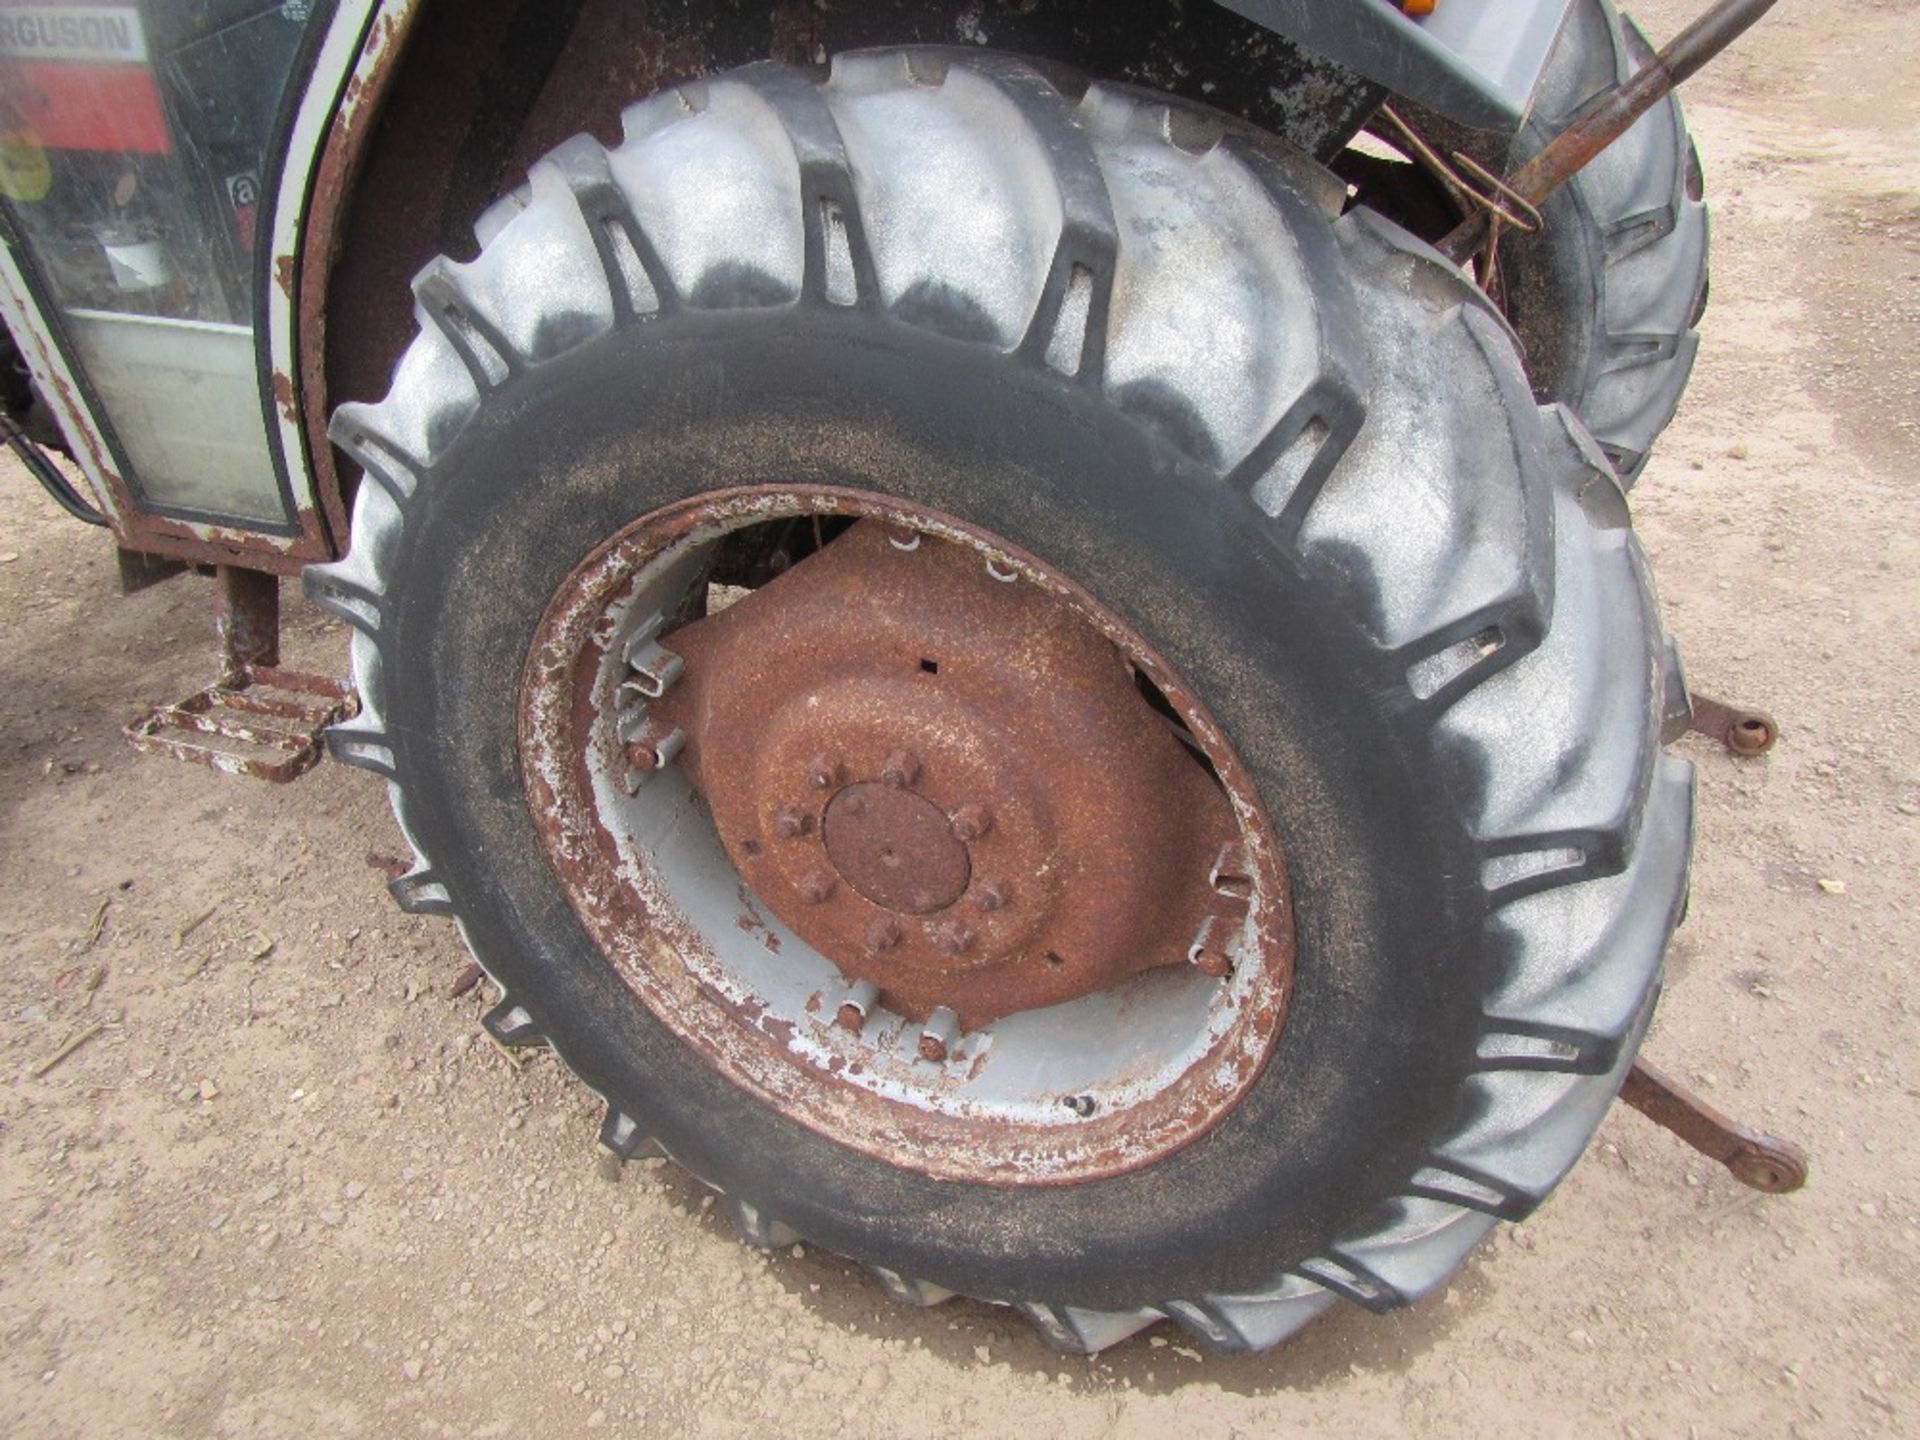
column 1295, row 454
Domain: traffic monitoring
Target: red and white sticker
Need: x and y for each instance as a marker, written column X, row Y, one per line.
column 97, row 34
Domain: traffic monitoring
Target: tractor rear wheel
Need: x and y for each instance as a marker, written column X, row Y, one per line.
column 1029, row 701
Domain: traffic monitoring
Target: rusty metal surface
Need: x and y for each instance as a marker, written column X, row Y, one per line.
column 328, row 209
column 1745, row 732
column 918, row 724
column 848, row 1087
column 1762, row 1162
column 246, row 621
column 263, row 724
column 257, row 720
column 1608, row 116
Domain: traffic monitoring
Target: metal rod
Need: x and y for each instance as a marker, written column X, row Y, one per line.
column 1763, row 1162
column 246, row 617
column 1611, row 113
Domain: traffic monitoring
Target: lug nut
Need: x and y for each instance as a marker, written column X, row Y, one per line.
column 882, row 935
column 859, row 1004
column 901, row 769
column 1208, row 954
column 970, row 822
column 991, row 895
column 939, row 1034
column 792, row 822
column 1212, row 962
column 654, row 751
column 818, row 888
column 954, row 938
column 824, row 772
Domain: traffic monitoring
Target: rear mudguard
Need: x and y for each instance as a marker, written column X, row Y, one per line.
column 1474, row 61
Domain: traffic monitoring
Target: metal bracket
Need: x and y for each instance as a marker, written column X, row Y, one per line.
column 1762, row 1162
column 1744, row 732
column 257, row 719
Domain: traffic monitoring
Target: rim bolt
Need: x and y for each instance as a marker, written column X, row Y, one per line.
column 1208, row 953
column 882, row 935
column 859, row 1004
column 818, row 888
column 939, row 1034
column 991, row 895
column 652, row 750
column 1213, row 963
column 901, row 769
column 823, row 772
column 954, row 938
column 970, row 822
column 792, row 822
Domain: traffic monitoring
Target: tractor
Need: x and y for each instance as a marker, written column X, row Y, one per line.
column 1012, row 625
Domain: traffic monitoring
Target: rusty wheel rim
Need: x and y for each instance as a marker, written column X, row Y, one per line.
column 832, row 897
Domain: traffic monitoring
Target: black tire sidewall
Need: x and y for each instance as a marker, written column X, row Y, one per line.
column 1391, row 966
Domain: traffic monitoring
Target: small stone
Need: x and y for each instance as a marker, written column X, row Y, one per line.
column 613, row 1372
column 1832, row 887
column 208, row 1090
column 8, row 559
column 596, row 1419
column 1870, row 1210
column 535, row 1306
column 411, row 1369
column 331, row 1217
column 352, row 1190
column 1737, row 452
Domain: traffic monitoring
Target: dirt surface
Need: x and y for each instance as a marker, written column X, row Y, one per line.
column 289, row 1188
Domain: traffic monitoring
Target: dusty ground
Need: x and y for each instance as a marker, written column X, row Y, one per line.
column 291, row 1190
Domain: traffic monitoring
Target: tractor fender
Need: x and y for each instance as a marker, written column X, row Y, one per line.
column 1473, row 61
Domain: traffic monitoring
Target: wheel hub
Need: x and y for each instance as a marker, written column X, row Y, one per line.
column 947, row 782
column 897, row 848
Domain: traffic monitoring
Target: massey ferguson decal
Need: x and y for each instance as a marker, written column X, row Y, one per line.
column 73, row 32
column 75, row 77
